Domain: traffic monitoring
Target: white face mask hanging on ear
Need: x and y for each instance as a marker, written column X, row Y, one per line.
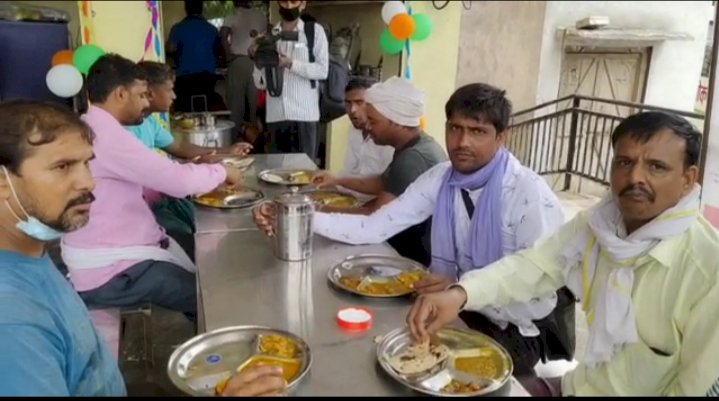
column 33, row 227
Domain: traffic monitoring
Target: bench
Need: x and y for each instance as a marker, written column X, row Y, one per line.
column 110, row 325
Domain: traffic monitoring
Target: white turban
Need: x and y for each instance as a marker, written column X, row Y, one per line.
column 398, row 100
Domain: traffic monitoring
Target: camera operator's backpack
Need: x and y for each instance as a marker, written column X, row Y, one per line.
column 332, row 90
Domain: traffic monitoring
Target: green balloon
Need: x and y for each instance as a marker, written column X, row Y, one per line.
column 389, row 44
column 85, row 56
column 423, row 27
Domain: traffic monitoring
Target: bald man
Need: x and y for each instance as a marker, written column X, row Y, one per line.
column 393, row 109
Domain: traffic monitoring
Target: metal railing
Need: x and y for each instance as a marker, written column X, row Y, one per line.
column 571, row 136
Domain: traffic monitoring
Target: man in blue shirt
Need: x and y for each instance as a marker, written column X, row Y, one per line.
column 176, row 216
column 48, row 345
column 195, row 46
column 47, row 340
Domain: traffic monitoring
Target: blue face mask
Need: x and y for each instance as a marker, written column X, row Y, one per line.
column 33, row 227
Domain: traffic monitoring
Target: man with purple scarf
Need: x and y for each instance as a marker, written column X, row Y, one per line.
column 484, row 204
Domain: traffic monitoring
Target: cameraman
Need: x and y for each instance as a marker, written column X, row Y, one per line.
column 292, row 116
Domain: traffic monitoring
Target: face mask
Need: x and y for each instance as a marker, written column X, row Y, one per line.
column 290, row 14
column 33, row 227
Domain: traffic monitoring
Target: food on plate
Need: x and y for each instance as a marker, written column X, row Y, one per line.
column 351, row 282
column 217, row 197
column 458, row 387
column 299, row 177
column 409, row 278
column 334, row 199
column 419, row 358
column 278, row 346
column 399, row 284
column 290, row 369
column 482, row 366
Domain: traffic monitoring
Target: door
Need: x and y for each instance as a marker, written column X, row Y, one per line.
column 605, row 75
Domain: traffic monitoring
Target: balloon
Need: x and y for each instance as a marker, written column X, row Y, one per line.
column 389, row 44
column 64, row 80
column 85, row 56
column 62, row 57
column 390, row 9
column 402, row 26
column 423, row 27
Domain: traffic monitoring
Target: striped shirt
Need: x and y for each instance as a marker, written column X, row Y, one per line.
column 298, row 101
column 714, row 391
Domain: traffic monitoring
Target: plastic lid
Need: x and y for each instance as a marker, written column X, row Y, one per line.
column 354, row 318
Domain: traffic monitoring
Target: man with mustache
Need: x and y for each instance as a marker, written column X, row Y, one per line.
column 363, row 156
column 483, row 204
column 642, row 262
column 122, row 257
column 48, row 343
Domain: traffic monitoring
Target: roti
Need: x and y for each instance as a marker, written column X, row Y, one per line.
column 419, row 358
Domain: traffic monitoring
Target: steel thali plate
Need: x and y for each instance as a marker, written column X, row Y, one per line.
column 294, row 177
column 202, row 365
column 332, row 198
column 476, row 362
column 376, row 276
column 239, row 162
column 226, row 198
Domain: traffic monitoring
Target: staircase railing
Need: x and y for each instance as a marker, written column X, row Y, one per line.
column 571, row 136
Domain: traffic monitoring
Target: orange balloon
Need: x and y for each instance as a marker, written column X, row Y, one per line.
column 402, row 26
column 62, row 57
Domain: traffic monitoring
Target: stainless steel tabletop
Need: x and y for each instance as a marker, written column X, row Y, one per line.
column 242, row 283
column 212, row 220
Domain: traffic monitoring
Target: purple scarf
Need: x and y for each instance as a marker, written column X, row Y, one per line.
column 486, row 229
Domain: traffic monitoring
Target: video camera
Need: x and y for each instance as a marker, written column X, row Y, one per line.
column 268, row 58
column 267, row 54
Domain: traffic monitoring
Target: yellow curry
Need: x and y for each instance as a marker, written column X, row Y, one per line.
column 327, row 198
column 458, row 387
column 290, row 369
column 399, row 284
column 278, row 346
column 482, row 366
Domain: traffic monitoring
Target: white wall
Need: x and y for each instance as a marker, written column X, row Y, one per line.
column 675, row 67
column 495, row 52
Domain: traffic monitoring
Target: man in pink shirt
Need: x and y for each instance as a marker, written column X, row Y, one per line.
column 123, row 257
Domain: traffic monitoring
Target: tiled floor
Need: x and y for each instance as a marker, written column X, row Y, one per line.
column 171, row 329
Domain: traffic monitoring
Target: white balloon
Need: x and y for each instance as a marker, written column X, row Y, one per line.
column 392, row 8
column 64, row 80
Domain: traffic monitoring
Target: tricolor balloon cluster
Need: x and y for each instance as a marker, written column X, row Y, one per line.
column 65, row 77
column 401, row 26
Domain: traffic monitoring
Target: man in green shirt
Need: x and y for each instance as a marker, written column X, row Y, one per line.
column 642, row 262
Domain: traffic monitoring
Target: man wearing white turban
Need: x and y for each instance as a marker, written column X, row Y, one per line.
column 393, row 109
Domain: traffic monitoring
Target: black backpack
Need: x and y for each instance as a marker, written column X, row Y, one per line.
column 332, row 89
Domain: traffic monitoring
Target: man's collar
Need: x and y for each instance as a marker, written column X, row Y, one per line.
column 665, row 250
column 106, row 117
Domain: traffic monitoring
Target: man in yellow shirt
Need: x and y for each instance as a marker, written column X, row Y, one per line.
column 642, row 262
